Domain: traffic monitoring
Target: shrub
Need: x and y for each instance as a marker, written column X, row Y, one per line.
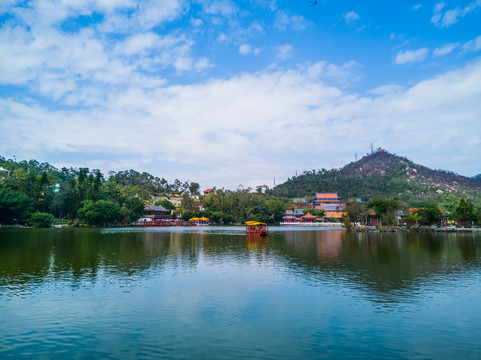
column 41, row 220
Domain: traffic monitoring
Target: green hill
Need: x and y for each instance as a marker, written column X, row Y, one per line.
column 382, row 174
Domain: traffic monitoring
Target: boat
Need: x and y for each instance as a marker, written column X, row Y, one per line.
column 256, row 228
column 202, row 221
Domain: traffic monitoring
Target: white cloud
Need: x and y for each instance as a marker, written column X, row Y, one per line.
column 246, row 49
column 444, row 50
column 244, row 123
column 284, row 21
column 108, row 95
column 350, row 17
column 343, row 75
column 472, row 45
column 409, row 56
column 417, row 6
column 451, row 17
column 62, row 65
column 284, row 51
column 219, row 7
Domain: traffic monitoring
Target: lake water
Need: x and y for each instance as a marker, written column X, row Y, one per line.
column 213, row 293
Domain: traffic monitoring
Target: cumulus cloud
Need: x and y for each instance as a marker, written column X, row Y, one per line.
column 409, row 56
column 264, row 110
column 449, row 17
column 102, row 92
column 350, row 17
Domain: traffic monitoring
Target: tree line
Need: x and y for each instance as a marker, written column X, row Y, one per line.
column 36, row 193
column 427, row 212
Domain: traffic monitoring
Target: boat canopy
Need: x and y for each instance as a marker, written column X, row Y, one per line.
column 254, row 223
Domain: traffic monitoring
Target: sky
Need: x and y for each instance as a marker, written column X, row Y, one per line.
column 250, row 92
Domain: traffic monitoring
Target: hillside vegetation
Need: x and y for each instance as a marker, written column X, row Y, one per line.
column 382, row 174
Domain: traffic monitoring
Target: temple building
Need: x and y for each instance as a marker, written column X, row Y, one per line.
column 157, row 212
column 330, row 203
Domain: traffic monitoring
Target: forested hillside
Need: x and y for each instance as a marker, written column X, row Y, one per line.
column 69, row 192
column 40, row 192
column 382, row 174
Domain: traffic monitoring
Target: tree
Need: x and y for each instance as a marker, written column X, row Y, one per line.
column 354, row 212
column 14, row 206
column 194, row 188
column 40, row 220
column 430, row 213
column 315, row 212
column 217, row 216
column 132, row 208
column 464, row 212
column 100, row 212
column 386, row 209
column 187, row 203
column 166, row 204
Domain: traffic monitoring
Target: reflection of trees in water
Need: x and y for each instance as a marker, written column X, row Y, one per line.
column 78, row 255
column 383, row 262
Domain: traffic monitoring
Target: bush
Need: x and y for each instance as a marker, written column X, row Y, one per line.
column 99, row 212
column 41, row 220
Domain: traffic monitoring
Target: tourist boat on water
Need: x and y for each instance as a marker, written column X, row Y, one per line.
column 202, row 221
column 256, row 228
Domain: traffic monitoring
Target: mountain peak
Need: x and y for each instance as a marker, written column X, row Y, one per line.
column 379, row 163
column 381, row 174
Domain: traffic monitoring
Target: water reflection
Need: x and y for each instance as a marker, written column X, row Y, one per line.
column 204, row 293
column 385, row 263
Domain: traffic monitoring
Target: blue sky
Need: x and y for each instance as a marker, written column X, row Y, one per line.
column 239, row 92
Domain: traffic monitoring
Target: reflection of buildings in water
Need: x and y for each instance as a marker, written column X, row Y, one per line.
column 330, row 245
column 327, row 244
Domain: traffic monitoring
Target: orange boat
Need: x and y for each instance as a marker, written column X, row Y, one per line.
column 256, row 228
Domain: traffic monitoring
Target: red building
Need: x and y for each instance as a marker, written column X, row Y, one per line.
column 208, row 191
column 157, row 212
column 330, row 203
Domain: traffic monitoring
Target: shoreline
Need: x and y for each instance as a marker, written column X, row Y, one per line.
column 446, row 229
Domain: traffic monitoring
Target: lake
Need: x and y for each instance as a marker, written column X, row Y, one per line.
column 213, row 293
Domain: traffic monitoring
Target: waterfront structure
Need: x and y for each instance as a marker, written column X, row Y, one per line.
column 330, row 203
column 373, row 219
column 156, row 213
column 289, row 216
